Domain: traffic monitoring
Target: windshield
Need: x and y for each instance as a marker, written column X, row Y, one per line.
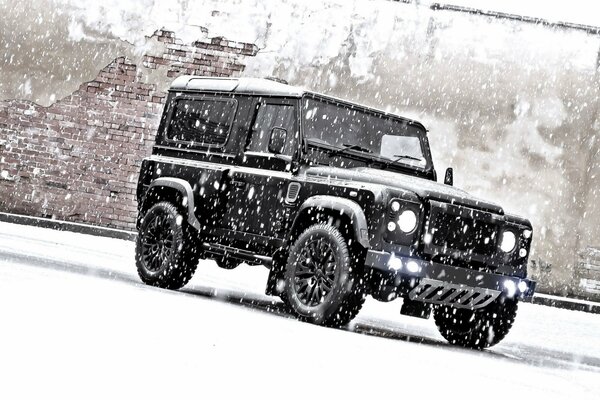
column 375, row 135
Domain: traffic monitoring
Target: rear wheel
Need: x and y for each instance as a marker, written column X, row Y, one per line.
column 322, row 285
column 165, row 253
column 479, row 328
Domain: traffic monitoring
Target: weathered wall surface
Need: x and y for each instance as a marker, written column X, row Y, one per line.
column 512, row 106
column 78, row 159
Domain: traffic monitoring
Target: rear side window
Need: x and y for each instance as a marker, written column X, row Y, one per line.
column 202, row 122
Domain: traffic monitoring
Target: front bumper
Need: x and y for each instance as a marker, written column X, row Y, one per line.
column 436, row 283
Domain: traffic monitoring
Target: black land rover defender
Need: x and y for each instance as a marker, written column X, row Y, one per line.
column 338, row 200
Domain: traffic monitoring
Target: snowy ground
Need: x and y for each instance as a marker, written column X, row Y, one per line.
column 76, row 323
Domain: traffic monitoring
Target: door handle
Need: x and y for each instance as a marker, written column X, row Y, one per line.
column 236, row 181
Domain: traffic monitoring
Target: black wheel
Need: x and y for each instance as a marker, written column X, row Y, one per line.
column 322, row 285
column 227, row 263
column 477, row 329
column 165, row 253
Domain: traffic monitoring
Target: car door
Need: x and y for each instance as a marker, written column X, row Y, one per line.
column 259, row 184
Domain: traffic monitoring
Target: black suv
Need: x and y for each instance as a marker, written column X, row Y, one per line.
column 338, row 200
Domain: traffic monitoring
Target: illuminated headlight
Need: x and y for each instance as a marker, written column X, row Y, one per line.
column 395, row 263
column 407, row 221
column 509, row 241
column 413, row 266
column 522, row 287
column 511, row 288
column 395, row 206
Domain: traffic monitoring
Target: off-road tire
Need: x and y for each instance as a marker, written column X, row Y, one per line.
column 338, row 306
column 477, row 329
column 165, row 252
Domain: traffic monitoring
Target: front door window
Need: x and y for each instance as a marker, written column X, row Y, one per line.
column 268, row 117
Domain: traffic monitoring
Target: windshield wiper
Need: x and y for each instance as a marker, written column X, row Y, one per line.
column 349, row 147
column 402, row 157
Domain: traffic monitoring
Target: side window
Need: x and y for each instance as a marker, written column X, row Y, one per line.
column 271, row 116
column 204, row 122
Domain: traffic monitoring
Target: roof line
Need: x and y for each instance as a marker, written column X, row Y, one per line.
column 594, row 30
column 370, row 109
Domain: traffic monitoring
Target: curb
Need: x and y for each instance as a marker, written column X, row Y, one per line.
column 566, row 303
column 76, row 227
column 87, row 229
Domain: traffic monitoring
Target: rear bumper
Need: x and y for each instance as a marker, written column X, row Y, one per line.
column 445, row 284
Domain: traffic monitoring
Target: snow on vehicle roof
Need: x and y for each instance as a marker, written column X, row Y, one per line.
column 256, row 86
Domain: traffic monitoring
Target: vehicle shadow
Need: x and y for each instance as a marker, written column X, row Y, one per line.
column 520, row 353
column 273, row 305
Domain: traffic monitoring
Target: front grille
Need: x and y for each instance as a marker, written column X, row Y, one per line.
column 464, row 234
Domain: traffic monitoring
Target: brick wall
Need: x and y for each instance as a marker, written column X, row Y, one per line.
column 79, row 158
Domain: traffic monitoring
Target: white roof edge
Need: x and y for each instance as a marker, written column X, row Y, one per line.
column 238, row 85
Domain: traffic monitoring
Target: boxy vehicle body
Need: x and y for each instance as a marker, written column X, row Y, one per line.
column 339, row 200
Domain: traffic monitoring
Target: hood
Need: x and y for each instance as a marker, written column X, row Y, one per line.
column 423, row 188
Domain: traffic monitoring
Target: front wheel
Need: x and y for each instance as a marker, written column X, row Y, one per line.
column 322, row 284
column 479, row 328
column 164, row 253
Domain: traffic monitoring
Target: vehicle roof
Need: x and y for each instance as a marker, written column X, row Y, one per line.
column 263, row 87
column 255, row 86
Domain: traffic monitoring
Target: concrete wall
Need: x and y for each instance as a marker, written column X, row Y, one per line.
column 512, row 106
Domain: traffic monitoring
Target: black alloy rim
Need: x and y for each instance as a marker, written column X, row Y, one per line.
column 315, row 272
column 157, row 242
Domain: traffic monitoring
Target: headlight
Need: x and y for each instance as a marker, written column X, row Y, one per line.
column 508, row 242
column 402, row 219
column 407, row 221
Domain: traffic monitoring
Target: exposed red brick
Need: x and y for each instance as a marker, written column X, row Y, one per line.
column 79, row 158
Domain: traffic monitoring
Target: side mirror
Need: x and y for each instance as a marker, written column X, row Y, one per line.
column 277, row 140
column 449, row 177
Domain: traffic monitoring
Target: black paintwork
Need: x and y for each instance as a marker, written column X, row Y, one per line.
column 240, row 204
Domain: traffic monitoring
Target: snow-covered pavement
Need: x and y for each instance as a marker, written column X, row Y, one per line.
column 76, row 323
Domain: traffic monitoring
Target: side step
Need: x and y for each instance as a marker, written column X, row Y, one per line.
column 239, row 254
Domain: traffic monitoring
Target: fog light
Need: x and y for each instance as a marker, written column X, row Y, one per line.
column 522, row 287
column 511, row 288
column 391, row 226
column 413, row 266
column 395, row 263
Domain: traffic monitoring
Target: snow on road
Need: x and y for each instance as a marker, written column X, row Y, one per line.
column 76, row 323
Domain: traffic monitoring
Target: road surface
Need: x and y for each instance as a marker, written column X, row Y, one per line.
column 76, row 323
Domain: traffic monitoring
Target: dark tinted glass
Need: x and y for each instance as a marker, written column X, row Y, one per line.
column 341, row 126
column 202, row 122
column 272, row 116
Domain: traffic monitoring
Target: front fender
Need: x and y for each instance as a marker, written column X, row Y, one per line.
column 344, row 207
